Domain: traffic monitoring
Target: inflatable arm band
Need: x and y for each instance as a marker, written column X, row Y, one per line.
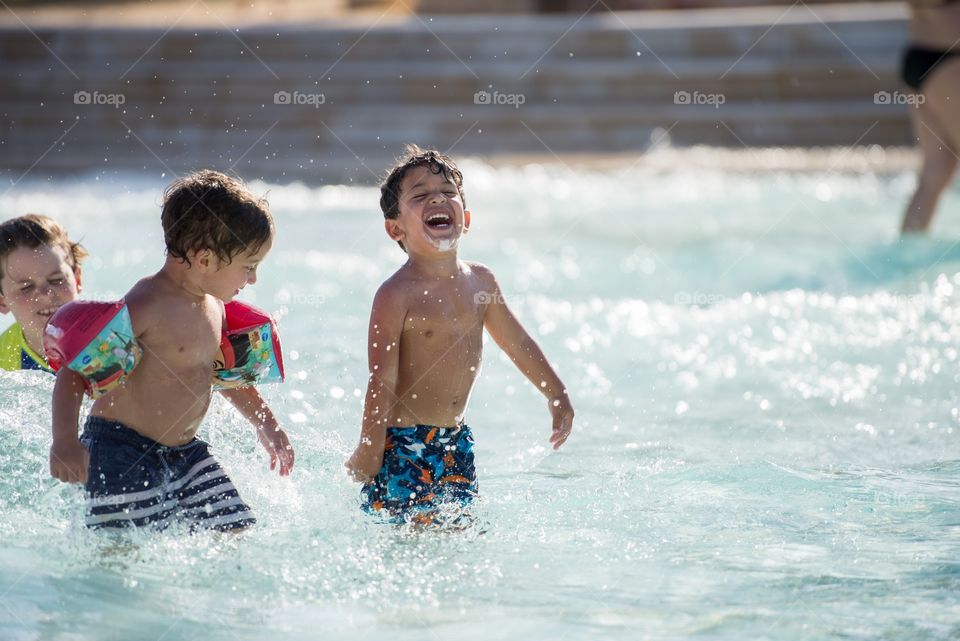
column 94, row 339
column 250, row 352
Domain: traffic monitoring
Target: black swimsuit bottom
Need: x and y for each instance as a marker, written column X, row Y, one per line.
column 919, row 63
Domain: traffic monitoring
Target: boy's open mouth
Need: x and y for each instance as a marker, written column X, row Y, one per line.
column 48, row 312
column 439, row 220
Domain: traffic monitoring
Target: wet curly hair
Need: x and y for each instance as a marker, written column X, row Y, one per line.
column 208, row 209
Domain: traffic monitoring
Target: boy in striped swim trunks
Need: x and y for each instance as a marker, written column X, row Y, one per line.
column 425, row 340
column 139, row 456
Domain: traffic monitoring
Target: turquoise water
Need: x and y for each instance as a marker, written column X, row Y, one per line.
column 766, row 443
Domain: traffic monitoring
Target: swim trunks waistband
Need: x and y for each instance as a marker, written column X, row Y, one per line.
column 423, row 429
column 100, row 427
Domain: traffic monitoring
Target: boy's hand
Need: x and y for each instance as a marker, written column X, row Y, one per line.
column 69, row 461
column 275, row 441
column 355, row 470
column 562, row 412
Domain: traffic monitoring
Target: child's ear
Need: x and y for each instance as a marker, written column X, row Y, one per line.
column 466, row 220
column 393, row 228
column 78, row 274
column 202, row 258
column 4, row 308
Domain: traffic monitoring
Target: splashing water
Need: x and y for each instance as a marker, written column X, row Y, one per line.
column 765, row 447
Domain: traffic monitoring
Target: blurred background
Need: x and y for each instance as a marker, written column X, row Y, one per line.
column 330, row 90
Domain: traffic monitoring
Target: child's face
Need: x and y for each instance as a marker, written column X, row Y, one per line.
column 227, row 279
column 37, row 282
column 431, row 218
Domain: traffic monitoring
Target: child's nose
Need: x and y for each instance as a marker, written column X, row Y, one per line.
column 437, row 197
column 252, row 278
column 45, row 290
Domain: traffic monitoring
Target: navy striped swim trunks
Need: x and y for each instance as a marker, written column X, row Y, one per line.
column 134, row 481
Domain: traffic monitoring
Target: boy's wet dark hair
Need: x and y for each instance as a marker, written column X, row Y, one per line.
column 33, row 230
column 413, row 157
column 211, row 210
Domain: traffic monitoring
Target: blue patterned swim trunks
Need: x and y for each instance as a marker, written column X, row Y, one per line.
column 423, row 467
column 134, row 481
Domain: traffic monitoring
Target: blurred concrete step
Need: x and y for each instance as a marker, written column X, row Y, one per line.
column 202, row 97
column 608, row 127
column 749, row 79
column 524, row 41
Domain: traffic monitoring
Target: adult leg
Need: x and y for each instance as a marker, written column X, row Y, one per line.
column 937, row 125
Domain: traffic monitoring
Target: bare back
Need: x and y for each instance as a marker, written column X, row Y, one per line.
column 935, row 26
column 166, row 397
column 441, row 345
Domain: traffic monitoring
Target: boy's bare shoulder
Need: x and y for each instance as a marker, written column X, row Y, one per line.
column 394, row 291
column 481, row 271
column 139, row 296
column 144, row 294
column 149, row 303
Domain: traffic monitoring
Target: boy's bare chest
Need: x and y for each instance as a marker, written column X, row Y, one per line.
column 191, row 336
column 442, row 313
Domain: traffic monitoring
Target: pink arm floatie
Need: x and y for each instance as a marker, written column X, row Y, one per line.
column 94, row 339
column 250, row 352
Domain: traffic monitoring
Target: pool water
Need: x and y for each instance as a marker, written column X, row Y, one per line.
column 766, row 442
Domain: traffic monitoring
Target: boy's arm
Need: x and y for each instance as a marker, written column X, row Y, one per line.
column 513, row 339
column 68, row 457
column 249, row 402
column 383, row 354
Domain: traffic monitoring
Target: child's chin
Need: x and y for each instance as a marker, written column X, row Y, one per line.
column 442, row 238
column 445, row 245
column 41, row 320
